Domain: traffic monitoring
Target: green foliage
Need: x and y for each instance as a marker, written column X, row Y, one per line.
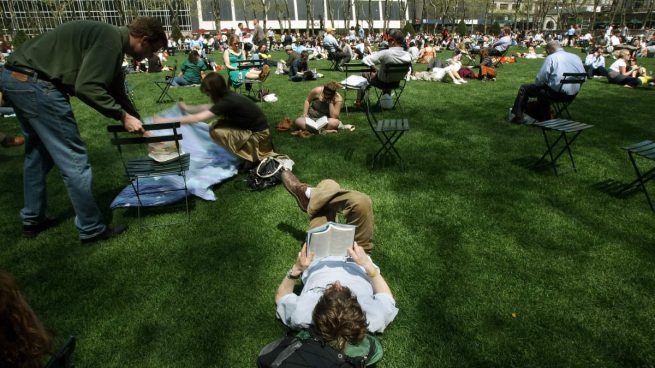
column 21, row 37
column 408, row 28
column 461, row 27
column 495, row 28
column 176, row 33
column 492, row 263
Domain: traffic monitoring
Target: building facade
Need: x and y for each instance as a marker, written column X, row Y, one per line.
column 38, row 16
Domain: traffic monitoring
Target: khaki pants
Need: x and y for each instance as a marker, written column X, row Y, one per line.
column 328, row 199
column 252, row 147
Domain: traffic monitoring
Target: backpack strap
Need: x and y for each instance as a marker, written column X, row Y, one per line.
column 286, row 353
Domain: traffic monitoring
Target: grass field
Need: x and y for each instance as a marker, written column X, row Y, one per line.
column 492, row 263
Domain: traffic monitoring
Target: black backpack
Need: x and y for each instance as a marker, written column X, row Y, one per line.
column 308, row 351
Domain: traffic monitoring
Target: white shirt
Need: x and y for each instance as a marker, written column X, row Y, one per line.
column 614, row 40
column 393, row 55
column 295, row 311
column 616, row 66
column 595, row 61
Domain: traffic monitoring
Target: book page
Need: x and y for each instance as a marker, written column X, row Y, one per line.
column 331, row 239
column 317, row 124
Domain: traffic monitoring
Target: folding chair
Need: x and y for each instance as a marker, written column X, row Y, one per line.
column 333, row 61
column 138, row 168
column 354, row 69
column 387, row 131
column 250, row 83
column 561, row 107
column 397, row 73
column 63, row 357
column 644, row 149
column 164, row 86
column 561, row 128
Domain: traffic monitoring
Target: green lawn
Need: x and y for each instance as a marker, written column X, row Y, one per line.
column 492, row 263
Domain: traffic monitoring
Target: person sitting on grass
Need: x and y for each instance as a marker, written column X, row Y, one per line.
column 23, row 339
column 620, row 73
column 192, row 70
column 243, row 130
column 357, row 273
column 594, row 64
column 547, row 85
column 299, row 69
column 323, row 101
column 427, row 53
column 263, row 54
column 486, row 66
column 231, row 58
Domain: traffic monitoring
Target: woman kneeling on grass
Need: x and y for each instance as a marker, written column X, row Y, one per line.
column 322, row 101
column 243, row 130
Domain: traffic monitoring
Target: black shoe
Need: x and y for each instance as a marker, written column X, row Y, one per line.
column 31, row 231
column 109, row 232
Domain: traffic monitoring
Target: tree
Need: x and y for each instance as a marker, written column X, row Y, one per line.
column 330, row 13
column 176, row 33
column 386, row 15
column 402, row 4
column 461, row 27
column 216, row 14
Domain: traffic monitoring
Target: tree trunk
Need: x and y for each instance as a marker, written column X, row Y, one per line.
column 348, row 13
column 216, row 13
column 310, row 18
column 330, row 13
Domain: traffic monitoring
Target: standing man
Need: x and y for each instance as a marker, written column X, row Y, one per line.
column 83, row 59
column 547, row 86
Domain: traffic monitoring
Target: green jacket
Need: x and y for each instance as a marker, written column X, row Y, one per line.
column 82, row 58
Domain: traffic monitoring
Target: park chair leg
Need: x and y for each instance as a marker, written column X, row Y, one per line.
column 642, row 183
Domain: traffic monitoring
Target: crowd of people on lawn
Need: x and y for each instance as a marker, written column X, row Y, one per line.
column 342, row 302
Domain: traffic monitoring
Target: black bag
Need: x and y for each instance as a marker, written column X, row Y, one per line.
column 268, row 173
column 295, row 351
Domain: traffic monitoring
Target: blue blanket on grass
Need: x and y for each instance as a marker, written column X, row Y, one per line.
column 210, row 164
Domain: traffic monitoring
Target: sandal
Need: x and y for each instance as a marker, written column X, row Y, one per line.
column 9, row 141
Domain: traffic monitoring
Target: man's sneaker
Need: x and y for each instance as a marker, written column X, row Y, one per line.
column 31, row 231
column 109, row 233
column 296, row 188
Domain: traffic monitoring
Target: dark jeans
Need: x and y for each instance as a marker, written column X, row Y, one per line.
column 51, row 138
column 544, row 97
column 595, row 71
column 625, row 80
column 373, row 81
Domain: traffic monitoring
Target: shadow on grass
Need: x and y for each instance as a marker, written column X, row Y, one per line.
column 297, row 234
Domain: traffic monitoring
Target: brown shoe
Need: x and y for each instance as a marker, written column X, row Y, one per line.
column 264, row 74
column 284, row 125
column 296, row 188
column 13, row 141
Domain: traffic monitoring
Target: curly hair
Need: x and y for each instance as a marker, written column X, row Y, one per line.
column 339, row 318
column 151, row 28
column 23, row 340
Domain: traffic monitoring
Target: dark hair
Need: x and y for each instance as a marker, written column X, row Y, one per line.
column 23, row 340
column 215, row 86
column 484, row 52
column 193, row 55
column 397, row 35
column 339, row 318
column 151, row 28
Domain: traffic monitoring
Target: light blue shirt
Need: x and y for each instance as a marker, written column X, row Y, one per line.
column 330, row 43
column 553, row 69
column 295, row 311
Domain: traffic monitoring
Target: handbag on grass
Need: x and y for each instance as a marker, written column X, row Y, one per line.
column 269, row 172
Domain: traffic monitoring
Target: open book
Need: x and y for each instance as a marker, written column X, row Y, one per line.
column 317, row 124
column 330, row 239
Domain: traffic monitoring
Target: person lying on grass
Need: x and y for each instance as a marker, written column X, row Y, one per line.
column 357, row 273
column 243, row 128
column 323, row 101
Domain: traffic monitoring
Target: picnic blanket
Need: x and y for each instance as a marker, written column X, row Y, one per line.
column 210, row 164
